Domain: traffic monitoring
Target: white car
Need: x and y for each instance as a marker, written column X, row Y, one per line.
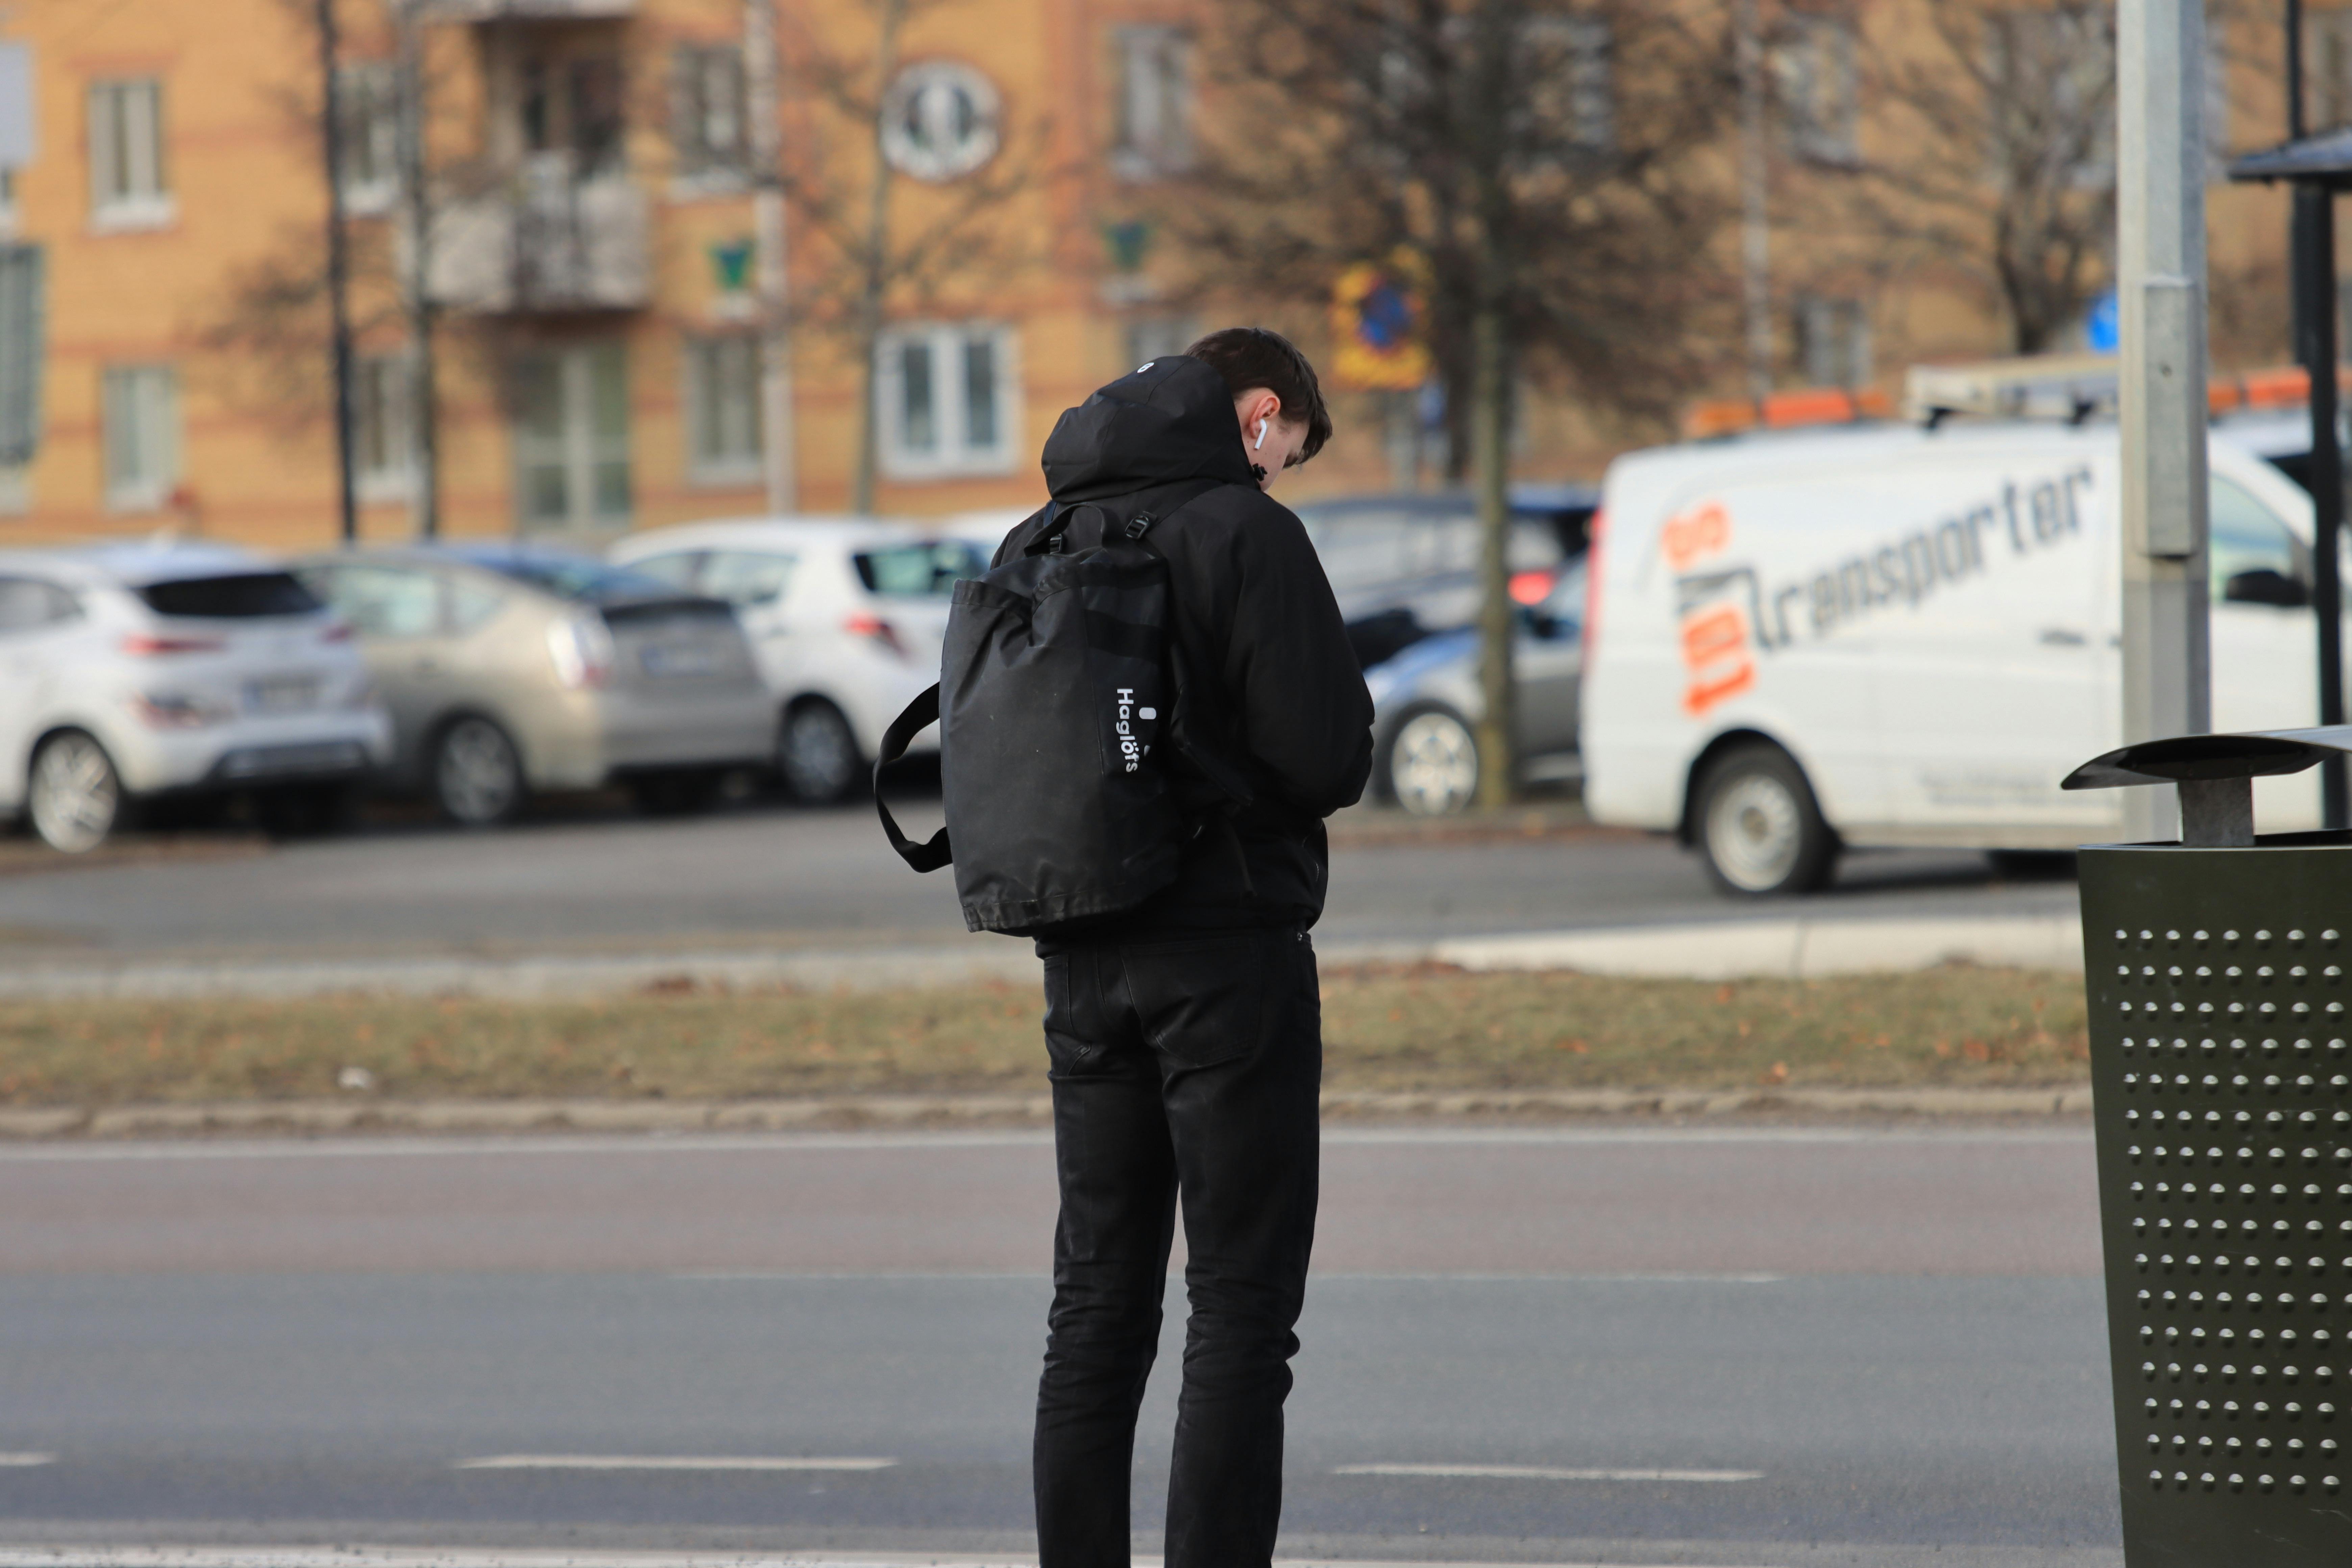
column 141, row 674
column 845, row 617
column 1894, row 635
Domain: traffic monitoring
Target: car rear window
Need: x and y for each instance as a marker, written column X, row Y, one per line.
column 237, row 597
column 930, row 570
column 583, row 580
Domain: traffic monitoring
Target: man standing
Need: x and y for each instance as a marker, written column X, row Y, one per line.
column 1186, row 1034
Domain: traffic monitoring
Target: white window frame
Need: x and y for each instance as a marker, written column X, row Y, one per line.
column 147, row 398
column 1818, row 75
column 951, row 455
column 1149, row 338
column 9, row 209
column 699, row 166
column 1833, row 334
column 130, row 173
column 1152, row 134
column 384, row 461
column 697, row 369
column 369, row 94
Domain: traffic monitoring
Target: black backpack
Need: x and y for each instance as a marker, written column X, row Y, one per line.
column 1057, row 690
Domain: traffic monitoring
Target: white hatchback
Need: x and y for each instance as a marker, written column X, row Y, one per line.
column 147, row 672
column 846, row 615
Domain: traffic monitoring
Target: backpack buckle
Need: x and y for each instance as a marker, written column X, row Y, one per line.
column 1139, row 525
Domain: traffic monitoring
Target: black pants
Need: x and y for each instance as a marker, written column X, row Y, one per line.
column 1180, row 1069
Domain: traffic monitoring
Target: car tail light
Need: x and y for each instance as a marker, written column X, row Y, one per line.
column 146, row 644
column 1530, row 588
column 878, row 629
column 582, row 652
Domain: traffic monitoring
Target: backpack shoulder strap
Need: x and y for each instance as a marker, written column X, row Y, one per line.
column 922, row 711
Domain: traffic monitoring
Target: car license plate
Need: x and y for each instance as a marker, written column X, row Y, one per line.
column 678, row 658
column 281, row 694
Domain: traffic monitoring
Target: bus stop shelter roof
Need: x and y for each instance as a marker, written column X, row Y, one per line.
column 2323, row 160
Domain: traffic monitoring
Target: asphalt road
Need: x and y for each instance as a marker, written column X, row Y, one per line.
column 769, row 877
column 1746, row 1347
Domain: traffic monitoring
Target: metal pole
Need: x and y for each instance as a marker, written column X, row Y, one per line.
column 1756, row 232
column 417, row 216
column 2161, row 251
column 2312, row 259
column 766, row 148
column 338, row 269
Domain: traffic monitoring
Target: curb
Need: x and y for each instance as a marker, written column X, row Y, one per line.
column 1797, row 949
column 322, row 1118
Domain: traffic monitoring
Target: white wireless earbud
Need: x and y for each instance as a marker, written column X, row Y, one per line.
column 1259, row 446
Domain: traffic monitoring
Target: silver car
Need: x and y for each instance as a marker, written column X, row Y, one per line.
column 1426, row 704
column 509, row 668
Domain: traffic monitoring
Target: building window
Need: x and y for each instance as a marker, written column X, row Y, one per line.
column 576, row 107
column 2327, row 67
column 1834, row 342
column 383, row 449
column 709, row 130
column 21, row 333
column 141, row 418
column 722, row 409
column 129, row 185
column 1157, row 337
column 950, row 400
column 939, row 121
column 572, row 437
column 1813, row 72
column 8, row 201
column 369, row 96
column 1153, row 135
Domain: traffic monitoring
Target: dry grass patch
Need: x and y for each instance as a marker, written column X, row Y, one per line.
column 1385, row 1030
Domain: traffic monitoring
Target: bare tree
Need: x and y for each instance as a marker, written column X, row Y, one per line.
column 879, row 245
column 1995, row 156
column 1538, row 154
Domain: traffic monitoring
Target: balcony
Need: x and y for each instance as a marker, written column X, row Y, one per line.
column 548, row 239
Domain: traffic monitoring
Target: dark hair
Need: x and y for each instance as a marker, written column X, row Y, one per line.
column 1257, row 356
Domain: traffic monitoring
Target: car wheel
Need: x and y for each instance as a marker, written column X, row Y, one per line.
column 476, row 773
column 816, row 754
column 73, row 795
column 1760, row 828
column 683, row 792
column 1430, row 766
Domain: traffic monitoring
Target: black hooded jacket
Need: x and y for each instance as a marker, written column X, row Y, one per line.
column 1271, row 688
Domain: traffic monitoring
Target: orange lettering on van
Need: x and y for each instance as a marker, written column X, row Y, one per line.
column 1701, row 531
column 1714, row 652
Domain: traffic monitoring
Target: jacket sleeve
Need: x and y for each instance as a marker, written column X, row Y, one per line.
column 1304, row 714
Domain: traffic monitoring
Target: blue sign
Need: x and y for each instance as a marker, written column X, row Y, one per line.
column 2103, row 329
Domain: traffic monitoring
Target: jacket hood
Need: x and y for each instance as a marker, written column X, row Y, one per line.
column 1170, row 420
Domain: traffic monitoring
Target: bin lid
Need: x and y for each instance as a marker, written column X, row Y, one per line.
column 2253, row 754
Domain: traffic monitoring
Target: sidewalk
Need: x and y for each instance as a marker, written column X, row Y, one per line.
column 1789, row 947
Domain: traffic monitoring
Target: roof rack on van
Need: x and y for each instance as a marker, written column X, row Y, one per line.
column 1785, row 411
column 2075, row 387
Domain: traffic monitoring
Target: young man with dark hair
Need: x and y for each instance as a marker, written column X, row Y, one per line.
column 1186, row 1034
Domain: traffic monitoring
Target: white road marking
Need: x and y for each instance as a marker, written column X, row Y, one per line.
column 460, row 1145
column 26, row 1461
column 1546, row 1473
column 671, row 1462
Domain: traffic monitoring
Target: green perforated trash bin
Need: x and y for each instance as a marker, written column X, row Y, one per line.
column 2222, row 1076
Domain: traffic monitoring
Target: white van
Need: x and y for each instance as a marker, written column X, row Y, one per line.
column 1889, row 634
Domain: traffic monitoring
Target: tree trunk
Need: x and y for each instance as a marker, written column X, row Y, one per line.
column 338, row 310
column 867, row 334
column 1490, row 463
column 416, row 287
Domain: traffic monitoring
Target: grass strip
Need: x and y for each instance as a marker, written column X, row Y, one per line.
column 1385, row 1030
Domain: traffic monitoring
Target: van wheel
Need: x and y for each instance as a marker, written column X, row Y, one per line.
column 1429, row 764
column 476, row 773
column 73, row 795
column 1760, row 828
column 816, row 754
